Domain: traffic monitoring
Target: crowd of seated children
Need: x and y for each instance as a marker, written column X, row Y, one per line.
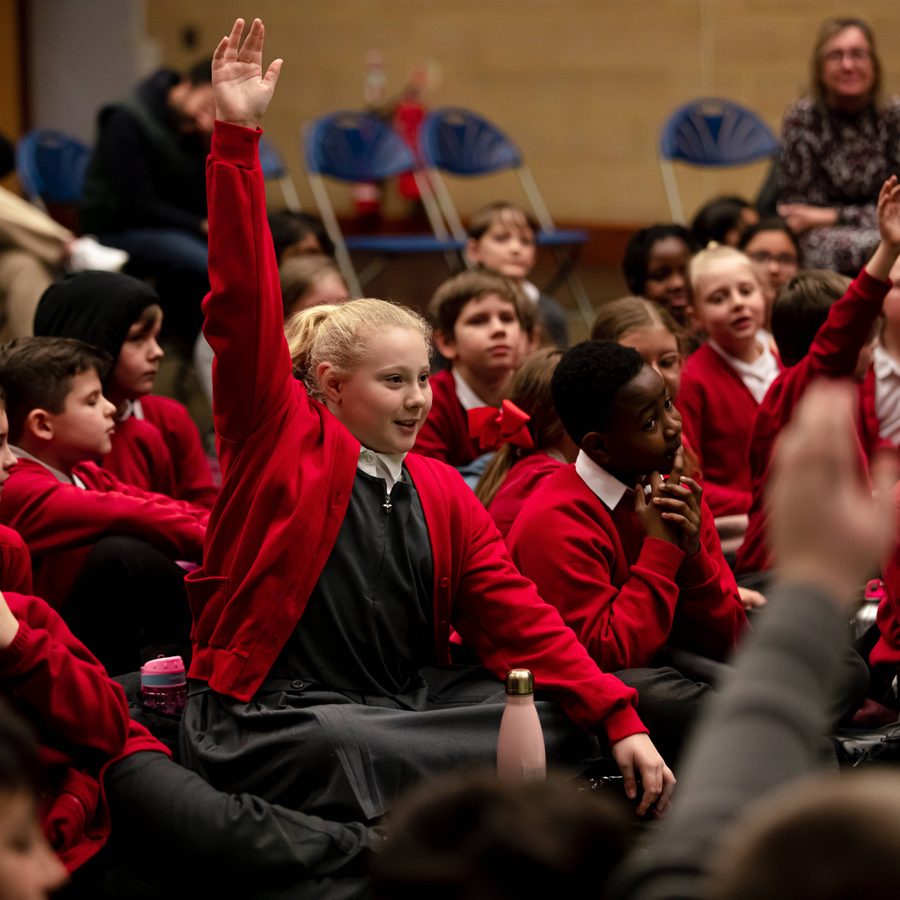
column 725, row 379
column 533, row 446
column 481, row 326
column 632, row 562
column 311, row 673
column 156, row 445
column 823, row 325
column 502, row 239
column 722, row 220
column 775, row 252
column 655, row 266
column 102, row 551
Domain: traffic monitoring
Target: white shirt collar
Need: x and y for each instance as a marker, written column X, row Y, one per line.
column 56, row 473
column 465, row 394
column 607, row 487
column 130, row 408
column 388, row 466
column 757, row 375
column 884, row 364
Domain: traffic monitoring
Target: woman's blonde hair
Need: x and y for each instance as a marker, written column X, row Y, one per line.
column 341, row 334
column 530, row 391
column 706, row 259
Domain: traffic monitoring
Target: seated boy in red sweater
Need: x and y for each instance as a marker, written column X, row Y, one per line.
column 724, row 380
column 823, row 326
column 156, row 446
column 480, row 326
column 632, row 562
column 103, row 551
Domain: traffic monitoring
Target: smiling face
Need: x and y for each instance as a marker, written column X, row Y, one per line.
column 384, row 399
column 506, row 247
column 666, row 279
column 846, row 70
column 84, row 428
column 729, row 306
column 643, row 432
column 659, row 348
column 137, row 364
column 487, row 340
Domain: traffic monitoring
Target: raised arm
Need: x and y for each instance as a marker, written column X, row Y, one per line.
column 244, row 315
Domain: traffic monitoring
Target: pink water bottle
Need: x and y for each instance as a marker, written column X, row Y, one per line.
column 520, row 745
column 163, row 685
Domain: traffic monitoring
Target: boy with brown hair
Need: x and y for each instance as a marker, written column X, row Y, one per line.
column 93, row 539
column 480, row 324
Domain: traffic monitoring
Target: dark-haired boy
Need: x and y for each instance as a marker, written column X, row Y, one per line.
column 103, row 551
column 480, row 325
column 633, row 563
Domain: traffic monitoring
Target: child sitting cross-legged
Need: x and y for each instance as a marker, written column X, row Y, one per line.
column 156, row 445
column 724, row 381
column 103, row 552
column 338, row 563
column 480, row 326
column 632, row 562
column 502, row 240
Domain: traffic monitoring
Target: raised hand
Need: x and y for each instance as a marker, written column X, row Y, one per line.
column 242, row 91
column 889, row 213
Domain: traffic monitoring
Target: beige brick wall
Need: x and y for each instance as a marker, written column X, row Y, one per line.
column 582, row 85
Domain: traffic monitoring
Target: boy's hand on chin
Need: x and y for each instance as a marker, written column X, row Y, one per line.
column 679, row 503
column 650, row 514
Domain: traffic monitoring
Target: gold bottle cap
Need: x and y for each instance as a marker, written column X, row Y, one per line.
column 519, row 681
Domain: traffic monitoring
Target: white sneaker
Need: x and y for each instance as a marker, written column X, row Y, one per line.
column 86, row 253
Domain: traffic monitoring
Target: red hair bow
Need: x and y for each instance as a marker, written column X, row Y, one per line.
column 491, row 427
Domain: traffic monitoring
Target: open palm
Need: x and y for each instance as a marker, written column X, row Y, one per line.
column 242, row 91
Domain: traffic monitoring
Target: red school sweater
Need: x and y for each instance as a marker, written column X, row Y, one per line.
column 162, row 453
column 288, row 467
column 832, row 354
column 82, row 722
column 445, row 433
column 717, row 410
column 60, row 522
column 520, row 483
column 15, row 563
column 624, row 594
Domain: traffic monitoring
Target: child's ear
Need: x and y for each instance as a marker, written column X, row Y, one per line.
column 594, row 444
column 472, row 252
column 446, row 345
column 38, row 425
column 331, row 381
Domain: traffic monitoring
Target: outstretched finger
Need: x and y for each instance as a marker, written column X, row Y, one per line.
column 233, row 41
column 272, row 73
column 252, row 49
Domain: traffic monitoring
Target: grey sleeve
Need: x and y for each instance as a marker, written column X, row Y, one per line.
column 764, row 727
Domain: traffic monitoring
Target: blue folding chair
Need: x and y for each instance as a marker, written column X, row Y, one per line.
column 711, row 131
column 274, row 169
column 51, row 167
column 462, row 143
column 358, row 147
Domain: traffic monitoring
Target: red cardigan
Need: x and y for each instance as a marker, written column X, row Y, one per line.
column 162, row 453
column 624, row 594
column 520, row 483
column 82, row 721
column 288, row 467
column 445, row 433
column 832, row 354
column 717, row 410
column 15, row 563
column 60, row 522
